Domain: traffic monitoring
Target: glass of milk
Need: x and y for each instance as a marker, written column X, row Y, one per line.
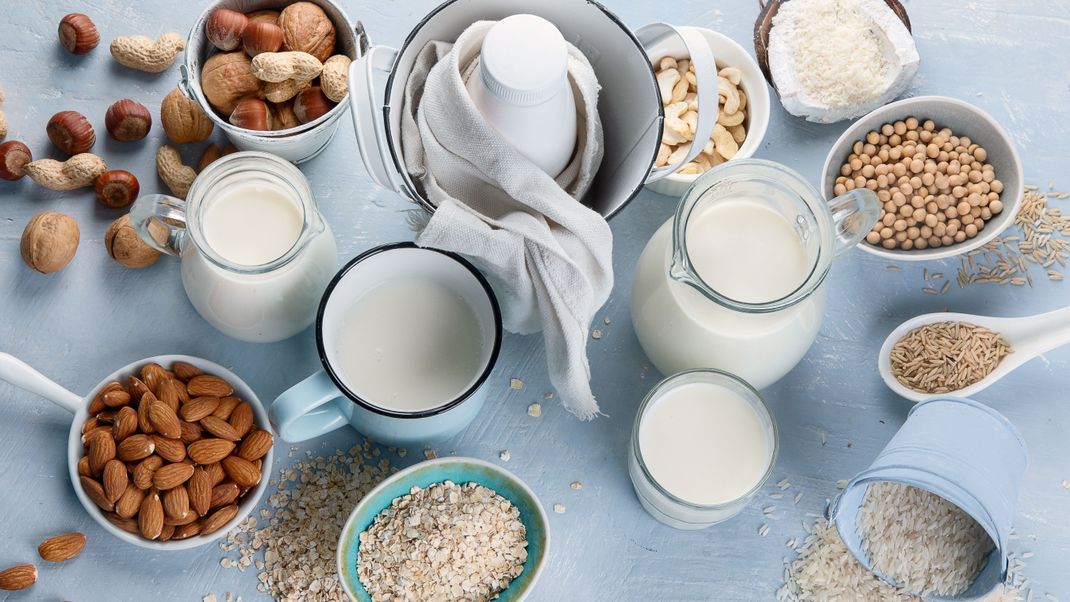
column 256, row 252
column 704, row 442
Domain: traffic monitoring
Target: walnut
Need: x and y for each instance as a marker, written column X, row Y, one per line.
column 306, row 28
column 126, row 247
column 49, row 241
column 226, row 78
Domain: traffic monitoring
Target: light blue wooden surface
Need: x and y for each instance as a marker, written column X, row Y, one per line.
column 1008, row 56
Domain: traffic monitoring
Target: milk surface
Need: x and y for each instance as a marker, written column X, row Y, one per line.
column 409, row 345
column 704, row 443
column 252, row 223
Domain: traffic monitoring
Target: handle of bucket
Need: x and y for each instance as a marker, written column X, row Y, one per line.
column 701, row 56
column 369, row 120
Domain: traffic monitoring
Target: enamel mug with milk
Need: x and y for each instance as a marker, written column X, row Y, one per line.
column 407, row 338
column 735, row 281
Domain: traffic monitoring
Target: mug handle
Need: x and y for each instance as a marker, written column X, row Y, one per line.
column 304, row 410
column 854, row 214
column 160, row 221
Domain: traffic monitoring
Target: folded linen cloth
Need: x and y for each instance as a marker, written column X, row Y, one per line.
column 547, row 256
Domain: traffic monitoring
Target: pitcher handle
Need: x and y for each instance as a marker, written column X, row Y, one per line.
column 854, row 214
column 304, row 410
column 160, row 221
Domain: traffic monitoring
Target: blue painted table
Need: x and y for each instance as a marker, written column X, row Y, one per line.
column 1008, row 56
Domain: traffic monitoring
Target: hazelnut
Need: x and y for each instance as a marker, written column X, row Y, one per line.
column 125, row 246
column 306, row 28
column 49, row 241
column 71, row 132
column 183, row 120
column 252, row 114
column 210, row 154
column 117, row 188
column 261, row 37
column 311, row 104
column 127, row 120
column 227, row 78
column 282, row 116
column 228, row 149
column 263, row 16
column 224, row 28
column 78, row 34
column 14, row 156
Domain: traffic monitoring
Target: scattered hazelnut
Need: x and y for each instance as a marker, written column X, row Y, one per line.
column 226, row 78
column 311, row 104
column 210, row 154
column 305, row 27
column 14, row 156
column 49, row 241
column 117, row 188
column 261, row 37
column 252, row 114
column 127, row 120
column 282, row 116
column 183, row 120
column 125, row 246
column 71, row 132
column 78, row 34
column 264, row 16
column 225, row 27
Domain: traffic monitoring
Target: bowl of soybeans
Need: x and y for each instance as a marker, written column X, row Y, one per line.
column 947, row 176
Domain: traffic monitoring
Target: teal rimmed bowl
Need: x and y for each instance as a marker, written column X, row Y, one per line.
column 459, row 470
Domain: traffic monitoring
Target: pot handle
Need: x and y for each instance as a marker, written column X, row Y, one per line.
column 305, row 410
column 20, row 374
column 160, row 221
column 854, row 214
column 369, row 118
column 702, row 58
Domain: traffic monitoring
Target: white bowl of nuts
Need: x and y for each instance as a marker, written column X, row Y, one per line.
column 947, row 175
column 165, row 459
column 743, row 112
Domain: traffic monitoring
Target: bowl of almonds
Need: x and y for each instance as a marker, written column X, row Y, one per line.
column 167, row 453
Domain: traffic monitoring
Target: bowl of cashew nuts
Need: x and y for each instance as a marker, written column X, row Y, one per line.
column 742, row 116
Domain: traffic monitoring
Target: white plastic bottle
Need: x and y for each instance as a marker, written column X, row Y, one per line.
column 522, row 88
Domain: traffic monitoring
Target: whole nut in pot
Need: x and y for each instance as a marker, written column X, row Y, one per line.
column 281, row 66
column 311, row 104
column 252, row 114
column 127, row 120
column 261, row 36
column 306, row 28
column 227, row 78
column 126, row 247
column 334, row 79
column 224, row 28
column 183, row 120
column 264, row 16
column 49, row 241
column 71, row 132
column 284, row 90
column 117, row 188
column 78, row 171
column 14, row 156
column 78, row 34
column 282, row 116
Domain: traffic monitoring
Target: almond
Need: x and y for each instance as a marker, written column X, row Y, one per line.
column 178, row 522
column 101, row 449
column 224, row 494
column 97, row 405
column 226, row 406
column 172, row 450
column 200, row 491
column 215, row 473
column 143, row 421
column 220, row 428
column 136, row 387
column 256, row 445
column 90, row 424
column 83, row 467
column 172, row 475
column 198, row 408
column 153, row 374
column 61, row 547
column 115, row 480
column 95, row 492
column 150, row 517
column 164, row 419
column 106, row 417
column 168, row 532
column 191, row 431
column 218, row 519
column 136, row 447
column 143, row 472
column 125, row 423
column 186, row 531
column 18, row 577
column 209, row 451
column 130, row 502
column 167, row 393
column 93, row 432
column 208, row 385
column 125, row 523
column 184, row 371
column 176, row 502
column 116, row 398
column 241, row 471
column 241, row 418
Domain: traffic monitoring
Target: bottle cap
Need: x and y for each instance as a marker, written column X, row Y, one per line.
column 524, row 60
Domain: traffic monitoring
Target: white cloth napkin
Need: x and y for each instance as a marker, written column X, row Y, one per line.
column 547, row 256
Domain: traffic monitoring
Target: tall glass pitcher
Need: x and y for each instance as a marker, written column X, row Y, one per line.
column 735, row 280
column 256, row 252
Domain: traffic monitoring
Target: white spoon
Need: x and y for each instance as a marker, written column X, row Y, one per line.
column 1029, row 337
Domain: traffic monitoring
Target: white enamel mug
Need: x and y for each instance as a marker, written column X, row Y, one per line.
column 324, row 402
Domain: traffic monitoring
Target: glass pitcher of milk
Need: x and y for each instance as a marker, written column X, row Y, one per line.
column 256, row 252
column 735, row 280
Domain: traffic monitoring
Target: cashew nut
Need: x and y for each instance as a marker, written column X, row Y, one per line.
column 334, row 79
column 77, row 172
column 742, row 100
column 730, row 119
column 284, row 90
column 691, row 119
column 728, row 94
column 679, row 91
column 723, row 142
column 666, row 81
column 676, row 109
column 679, row 154
column 281, row 66
column 676, row 131
column 739, row 133
column 690, row 168
column 667, row 63
column 663, row 155
column 146, row 54
column 173, row 172
column 732, row 74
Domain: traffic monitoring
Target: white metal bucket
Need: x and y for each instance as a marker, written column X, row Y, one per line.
column 296, row 144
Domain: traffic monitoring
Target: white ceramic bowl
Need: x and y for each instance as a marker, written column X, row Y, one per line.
column 964, row 119
column 727, row 53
